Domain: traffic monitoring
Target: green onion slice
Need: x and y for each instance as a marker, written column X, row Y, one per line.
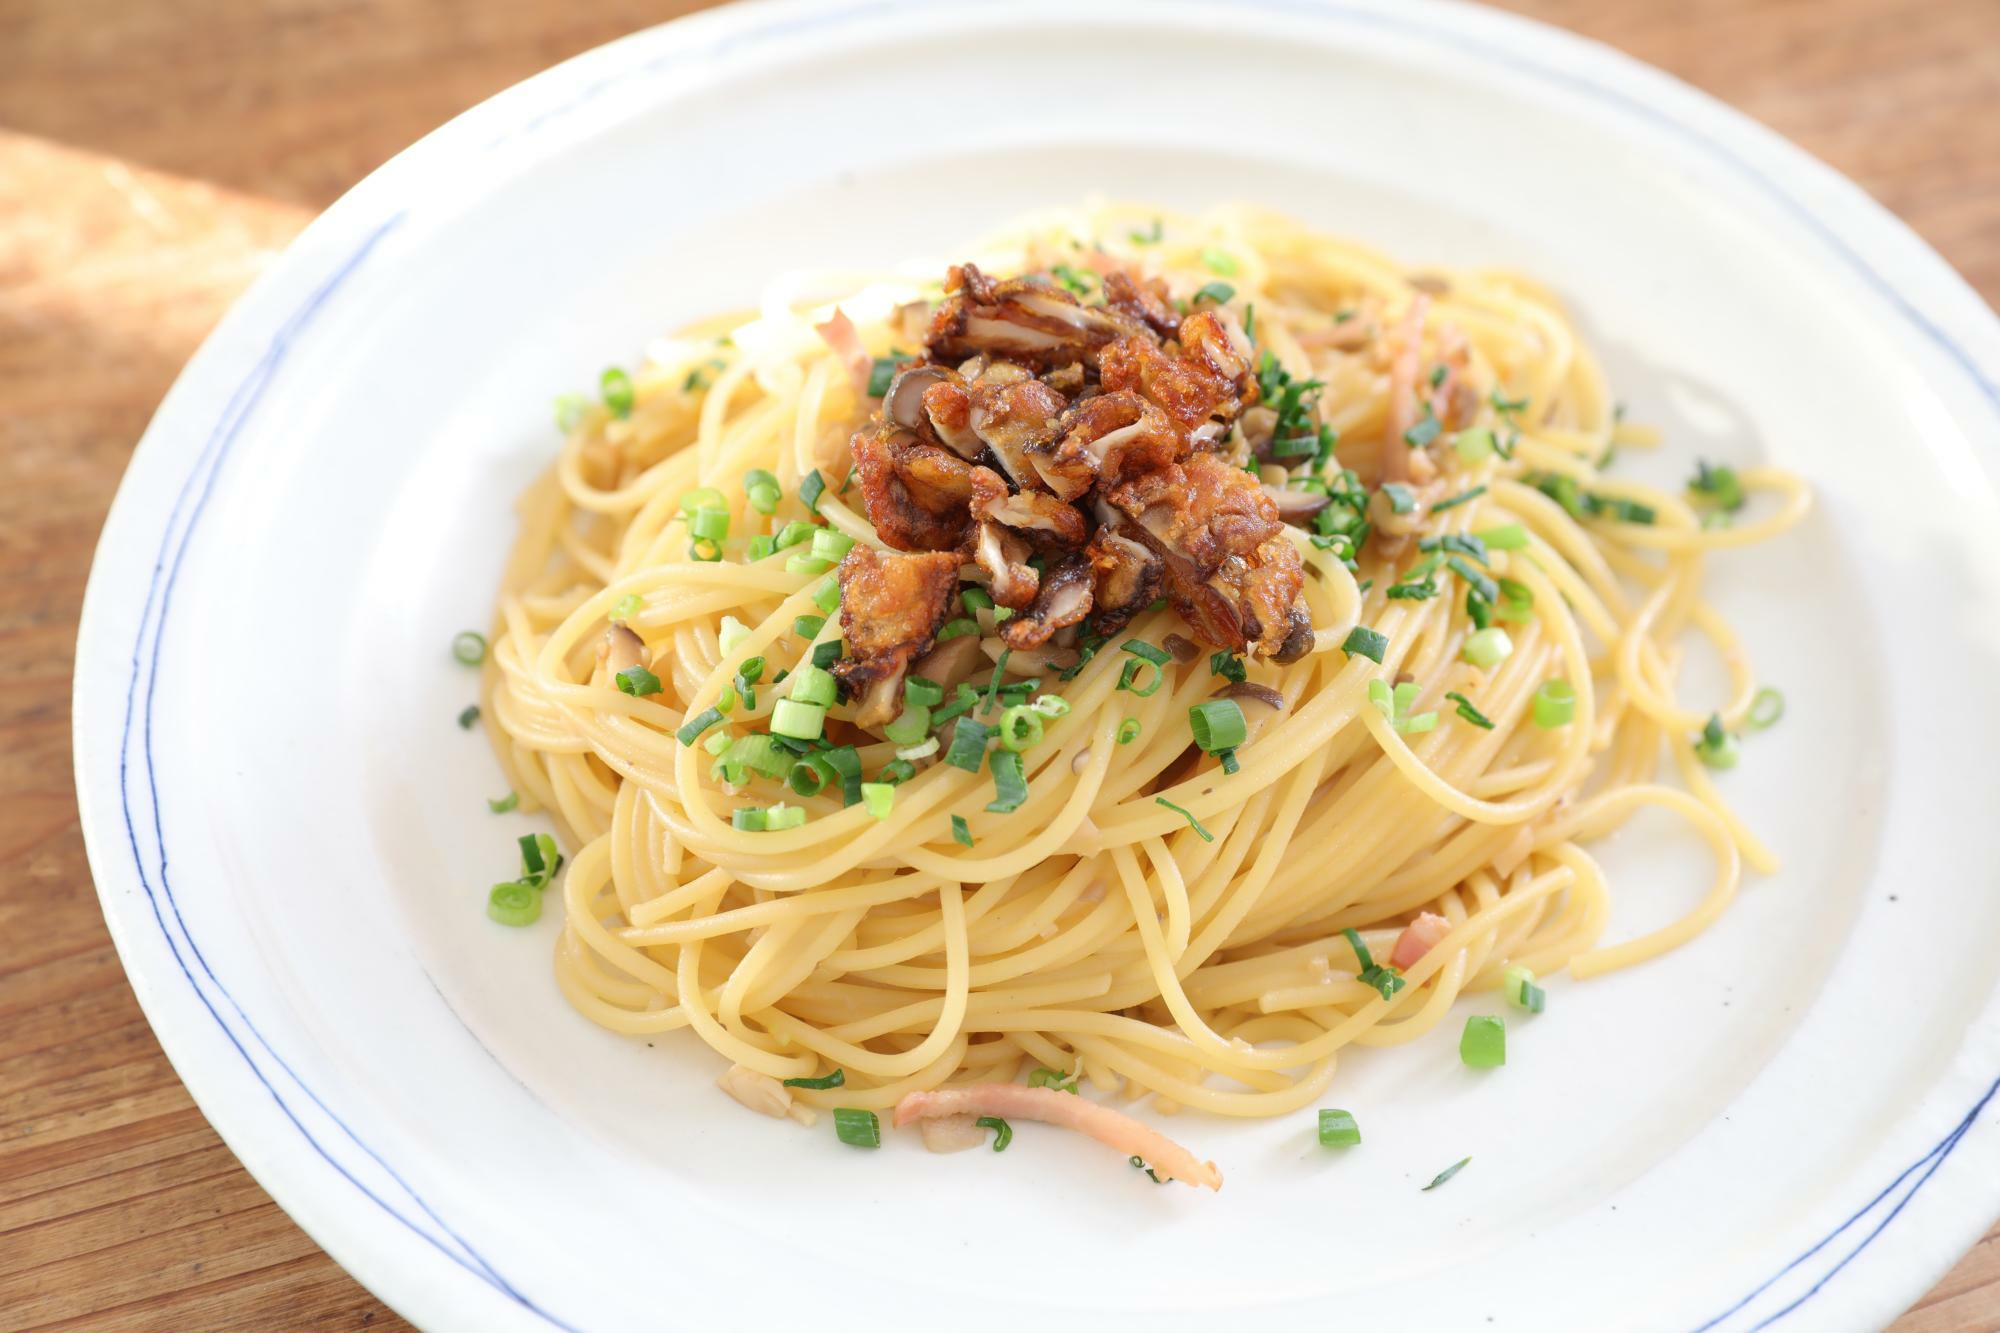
column 857, row 1129
column 1218, row 724
column 469, row 647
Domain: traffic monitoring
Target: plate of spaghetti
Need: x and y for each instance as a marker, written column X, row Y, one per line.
column 1367, row 696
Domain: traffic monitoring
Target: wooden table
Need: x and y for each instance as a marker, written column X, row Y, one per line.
column 154, row 157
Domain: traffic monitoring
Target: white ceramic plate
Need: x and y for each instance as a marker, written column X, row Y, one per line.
column 1782, row 1122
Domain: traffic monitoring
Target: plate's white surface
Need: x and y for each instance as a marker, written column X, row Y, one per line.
column 1782, row 1122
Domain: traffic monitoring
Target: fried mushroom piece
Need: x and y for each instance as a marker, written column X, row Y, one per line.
column 915, row 493
column 1104, row 440
column 1024, row 319
column 1145, row 303
column 1125, row 579
column 998, row 548
column 1230, row 570
column 1064, row 600
column 891, row 607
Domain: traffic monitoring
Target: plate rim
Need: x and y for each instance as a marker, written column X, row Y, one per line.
column 1937, row 300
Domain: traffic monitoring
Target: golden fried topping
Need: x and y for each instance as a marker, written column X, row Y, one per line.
column 890, row 609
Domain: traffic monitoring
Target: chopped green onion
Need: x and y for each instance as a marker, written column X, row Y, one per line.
column 1151, row 236
column 811, row 487
column 1139, row 1164
column 1517, row 983
column 911, row 725
column 1477, row 609
column 639, row 682
column 702, row 497
column 1386, row 980
column 514, row 904
column 811, row 685
column 1129, row 673
column 467, row 716
column 691, row 731
column 963, row 701
column 1517, row 601
column 539, row 859
column 1555, row 704
column 1003, row 1133
column 1401, row 498
column 1188, row 815
column 956, row 628
column 616, row 387
column 806, row 564
column 1128, row 731
column 899, row 770
column 1452, row 502
column 704, row 550
column 1716, row 747
column 968, row 745
column 570, row 408
column 762, row 546
column 976, row 599
column 781, row 817
column 1468, row 712
column 1487, row 648
column 838, row 1078
column 808, row 627
column 882, row 373
column 992, row 690
column 1422, row 433
column 1765, row 709
column 469, row 647
column 800, row 721
column 809, row 775
column 504, row 804
column 960, row 832
column 1051, row 705
column 845, row 762
column 827, row 596
column 1020, row 727
column 627, row 607
column 1364, row 642
column 1447, row 1174
column 709, row 525
column 761, row 755
column 1218, row 724
column 1010, row 784
column 879, row 797
column 1140, row 648
column 721, row 741
column 1475, row 580
column 1475, row 445
column 924, row 693
column 1508, row 537
column 1484, row 1044
column 857, row 1129
column 1717, row 485
column 794, row 532
column 1218, row 292
column 748, row 819
column 1338, row 1130
column 1228, row 666
column 1044, row 1077
column 756, row 477
column 826, row 653
column 830, row 544
column 1219, row 261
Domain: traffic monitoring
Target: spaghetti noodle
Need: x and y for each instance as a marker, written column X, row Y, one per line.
column 1489, row 686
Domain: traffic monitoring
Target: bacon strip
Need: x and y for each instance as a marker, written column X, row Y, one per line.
column 1418, row 938
column 845, row 340
column 1114, row 1129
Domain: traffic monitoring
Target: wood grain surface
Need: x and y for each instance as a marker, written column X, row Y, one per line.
column 154, row 157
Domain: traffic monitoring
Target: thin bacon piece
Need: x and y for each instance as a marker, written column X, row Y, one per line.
column 1418, row 938
column 1114, row 1129
column 845, row 340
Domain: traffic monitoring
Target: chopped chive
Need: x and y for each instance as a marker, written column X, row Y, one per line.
column 1386, row 980
column 1021, row 727
column 627, row 607
column 1401, row 498
column 748, row 819
column 800, row 721
column 1219, row 261
column 467, row 716
column 924, row 693
column 1484, row 1043
column 857, row 1129
column 1716, row 747
column 1462, row 543
column 1517, row 983
column 1474, row 445
column 837, row 1078
column 570, row 408
column 1338, row 1130
column 827, row 652
column 1458, row 499
column 811, row 487
column 879, row 797
column 1717, row 485
column 808, row 627
column 794, row 532
column 960, row 832
column 1128, row 731
column 897, row 771
column 1508, row 537
column 1129, row 674
column 1010, row 785
column 829, row 544
column 469, row 647
column 1468, row 712
column 1765, row 709
column 709, row 525
column 1218, row 292
column 1228, row 666
column 504, row 804
column 539, row 859
column 1140, row 648
column 639, row 682
column 968, row 745
column 882, row 373
column 781, row 817
column 1188, row 815
column 911, row 725
column 992, row 690
column 1151, row 236
column 1447, row 1174
column 762, row 546
column 956, row 628
column 1003, row 1133
column 1487, row 648
column 809, row 775
column 616, row 386
column 1051, row 705
column 1139, row 1164
column 691, row 731
column 514, row 904
column 1555, row 704
column 806, row 564
column 1478, row 582
column 827, row 596
column 1218, row 724
column 812, row 685
column 963, row 701
column 1044, row 1077
column 1422, row 433
column 1364, row 642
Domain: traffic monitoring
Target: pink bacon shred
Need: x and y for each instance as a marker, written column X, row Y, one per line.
column 1403, row 391
column 845, row 340
column 1418, row 938
column 1114, row 1129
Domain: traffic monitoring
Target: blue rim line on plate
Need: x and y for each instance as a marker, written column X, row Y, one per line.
column 249, row 393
